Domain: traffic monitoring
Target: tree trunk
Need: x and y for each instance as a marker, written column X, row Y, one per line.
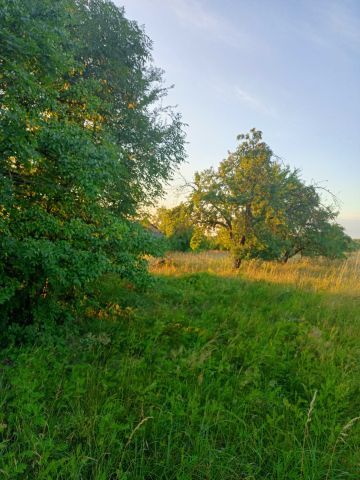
column 237, row 262
column 286, row 257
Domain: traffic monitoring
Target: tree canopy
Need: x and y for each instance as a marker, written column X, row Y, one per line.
column 84, row 140
column 261, row 208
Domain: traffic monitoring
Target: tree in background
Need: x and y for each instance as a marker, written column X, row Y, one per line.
column 84, row 141
column 176, row 225
column 262, row 209
column 199, row 241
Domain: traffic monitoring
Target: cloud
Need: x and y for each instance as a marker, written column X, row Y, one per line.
column 252, row 101
column 222, row 25
column 333, row 24
column 195, row 14
column 344, row 22
column 192, row 12
column 232, row 92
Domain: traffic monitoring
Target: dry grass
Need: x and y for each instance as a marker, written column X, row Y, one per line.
column 334, row 276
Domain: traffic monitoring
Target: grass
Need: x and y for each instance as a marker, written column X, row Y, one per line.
column 336, row 276
column 206, row 375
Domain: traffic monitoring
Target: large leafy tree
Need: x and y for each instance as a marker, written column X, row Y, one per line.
column 83, row 142
column 262, row 209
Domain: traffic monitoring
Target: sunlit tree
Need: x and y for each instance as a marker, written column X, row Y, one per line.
column 260, row 208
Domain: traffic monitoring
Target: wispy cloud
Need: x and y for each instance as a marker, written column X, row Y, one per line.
column 193, row 13
column 198, row 15
column 252, row 101
column 344, row 22
column 209, row 19
column 234, row 93
column 333, row 24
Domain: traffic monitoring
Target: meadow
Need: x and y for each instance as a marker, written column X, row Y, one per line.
column 209, row 373
column 320, row 274
column 116, row 365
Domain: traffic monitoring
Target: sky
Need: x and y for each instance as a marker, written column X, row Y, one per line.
column 290, row 68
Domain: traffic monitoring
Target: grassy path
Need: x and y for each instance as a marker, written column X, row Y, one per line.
column 200, row 377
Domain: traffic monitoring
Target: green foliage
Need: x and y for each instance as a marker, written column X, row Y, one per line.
column 262, row 209
column 83, row 141
column 200, row 377
column 198, row 240
column 355, row 245
column 177, row 226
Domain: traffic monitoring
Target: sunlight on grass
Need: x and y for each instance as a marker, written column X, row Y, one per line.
column 335, row 276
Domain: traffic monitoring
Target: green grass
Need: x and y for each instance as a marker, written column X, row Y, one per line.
column 200, row 377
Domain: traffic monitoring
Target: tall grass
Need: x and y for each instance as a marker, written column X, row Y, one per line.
column 335, row 276
column 203, row 376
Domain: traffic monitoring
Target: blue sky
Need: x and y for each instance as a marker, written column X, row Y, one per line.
column 290, row 68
